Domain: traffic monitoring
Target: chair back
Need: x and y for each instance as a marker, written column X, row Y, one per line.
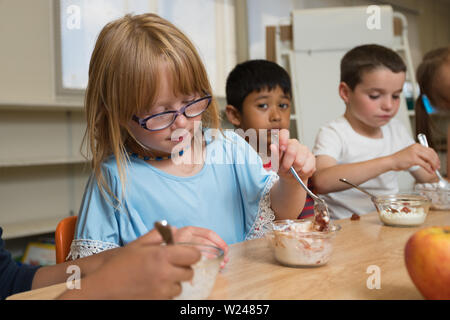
column 64, row 234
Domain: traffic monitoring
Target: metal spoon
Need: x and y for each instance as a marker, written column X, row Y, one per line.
column 320, row 207
column 372, row 197
column 164, row 230
column 358, row 187
column 443, row 184
column 321, row 214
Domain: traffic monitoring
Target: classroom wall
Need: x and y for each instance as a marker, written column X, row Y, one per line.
column 42, row 174
column 428, row 21
column 27, row 52
column 26, row 56
column 434, row 24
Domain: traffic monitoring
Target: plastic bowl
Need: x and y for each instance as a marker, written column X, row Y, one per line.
column 402, row 210
column 295, row 244
column 205, row 272
column 440, row 198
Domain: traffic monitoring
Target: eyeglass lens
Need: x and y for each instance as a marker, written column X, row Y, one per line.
column 164, row 120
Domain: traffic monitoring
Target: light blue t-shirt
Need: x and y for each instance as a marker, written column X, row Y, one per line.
column 230, row 195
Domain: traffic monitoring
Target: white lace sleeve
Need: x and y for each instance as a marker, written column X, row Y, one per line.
column 265, row 212
column 81, row 248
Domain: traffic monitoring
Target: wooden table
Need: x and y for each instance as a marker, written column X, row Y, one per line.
column 360, row 247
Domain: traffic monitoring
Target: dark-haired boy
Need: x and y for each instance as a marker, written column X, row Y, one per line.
column 259, row 100
column 366, row 145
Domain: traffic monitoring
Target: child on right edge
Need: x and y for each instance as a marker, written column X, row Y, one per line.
column 366, row 145
column 433, row 78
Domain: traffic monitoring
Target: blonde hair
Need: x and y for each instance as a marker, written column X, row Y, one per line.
column 123, row 81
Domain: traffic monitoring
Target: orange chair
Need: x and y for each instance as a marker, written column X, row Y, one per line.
column 64, row 233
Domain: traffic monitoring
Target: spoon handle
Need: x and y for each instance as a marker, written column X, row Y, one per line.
column 357, row 187
column 304, row 186
column 164, row 229
column 441, row 178
column 423, row 141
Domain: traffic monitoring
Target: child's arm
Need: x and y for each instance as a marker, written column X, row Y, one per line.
column 94, row 264
column 287, row 196
column 58, row 273
column 326, row 178
column 142, row 269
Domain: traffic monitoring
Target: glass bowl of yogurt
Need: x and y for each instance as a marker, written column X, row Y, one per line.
column 296, row 243
column 440, row 198
column 402, row 210
column 205, row 272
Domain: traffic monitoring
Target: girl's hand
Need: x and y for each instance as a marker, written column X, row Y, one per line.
column 289, row 153
column 416, row 154
column 203, row 236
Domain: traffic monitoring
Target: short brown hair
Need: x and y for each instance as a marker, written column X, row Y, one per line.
column 367, row 58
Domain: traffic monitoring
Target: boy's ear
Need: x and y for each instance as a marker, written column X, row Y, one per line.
column 233, row 115
column 344, row 91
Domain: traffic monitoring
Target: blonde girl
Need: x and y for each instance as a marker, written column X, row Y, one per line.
column 153, row 133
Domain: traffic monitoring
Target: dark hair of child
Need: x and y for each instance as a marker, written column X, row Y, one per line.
column 255, row 75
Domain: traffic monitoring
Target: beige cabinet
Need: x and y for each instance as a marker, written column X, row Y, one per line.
column 42, row 172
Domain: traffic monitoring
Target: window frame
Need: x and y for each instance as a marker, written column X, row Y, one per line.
column 228, row 41
column 60, row 91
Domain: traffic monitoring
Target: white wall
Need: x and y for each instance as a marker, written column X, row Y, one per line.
column 428, row 21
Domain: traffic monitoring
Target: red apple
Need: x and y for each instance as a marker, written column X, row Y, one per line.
column 427, row 258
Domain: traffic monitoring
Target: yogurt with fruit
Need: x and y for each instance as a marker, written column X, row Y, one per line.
column 299, row 244
column 403, row 216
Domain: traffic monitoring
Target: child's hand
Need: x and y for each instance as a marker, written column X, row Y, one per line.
column 151, row 237
column 147, row 271
column 143, row 269
column 416, row 154
column 203, row 236
column 289, row 153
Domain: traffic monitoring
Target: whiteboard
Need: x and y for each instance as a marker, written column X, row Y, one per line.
column 342, row 28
